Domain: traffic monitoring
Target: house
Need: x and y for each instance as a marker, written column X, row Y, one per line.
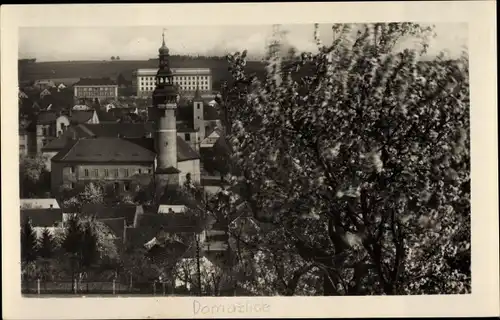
column 43, row 218
column 116, row 161
column 95, row 88
column 49, row 203
column 211, row 138
column 44, row 84
column 44, row 93
column 61, row 86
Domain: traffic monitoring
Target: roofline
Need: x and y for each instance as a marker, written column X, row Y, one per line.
column 104, row 162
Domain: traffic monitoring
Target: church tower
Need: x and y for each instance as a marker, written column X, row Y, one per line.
column 165, row 98
column 198, row 121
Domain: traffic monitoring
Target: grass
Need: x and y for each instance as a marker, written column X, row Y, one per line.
column 97, row 69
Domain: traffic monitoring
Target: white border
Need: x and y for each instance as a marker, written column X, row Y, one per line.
column 480, row 16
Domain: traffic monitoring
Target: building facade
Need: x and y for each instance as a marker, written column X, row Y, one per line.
column 186, row 79
column 90, row 88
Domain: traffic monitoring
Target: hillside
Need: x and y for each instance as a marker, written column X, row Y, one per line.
column 79, row 69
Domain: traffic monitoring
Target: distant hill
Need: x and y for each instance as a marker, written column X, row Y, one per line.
column 80, row 69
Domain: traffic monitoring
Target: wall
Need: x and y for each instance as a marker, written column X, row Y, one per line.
column 73, row 175
column 96, row 91
column 194, row 139
column 23, row 143
column 56, row 177
column 198, row 123
column 48, row 159
column 189, row 166
column 62, row 123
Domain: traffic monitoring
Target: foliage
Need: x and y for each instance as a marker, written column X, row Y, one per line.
column 28, row 243
column 92, row 193
column 361, row 169
column 46, row 244
column 34, row 179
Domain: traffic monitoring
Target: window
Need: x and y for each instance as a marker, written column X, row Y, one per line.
column 139, row 171
column 187, row 137
column 126, row 186
column 198, row 106
column 116, row 186
column 150, row 171
column 106, row 172
column 96, row 173
column 86, row 172
column 115, row 173
column 72, row 185
column 125, row 172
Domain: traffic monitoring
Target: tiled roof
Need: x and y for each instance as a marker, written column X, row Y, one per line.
column 171, row 223
column 169, row 170
column 95, row 82
column 116, row 225
column 185, row 151
column 42, row 217
column 81, row 116
column 105, row 116
column 47, row 117
column 111, row 148
column 105, row 149
column 39, row 203
column 210, row 113
column 60, row 142
column 129, row 130
column 101, row 211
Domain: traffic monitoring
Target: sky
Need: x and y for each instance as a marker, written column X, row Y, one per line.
column 142, row 42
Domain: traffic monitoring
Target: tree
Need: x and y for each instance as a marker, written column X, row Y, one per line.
column 92, row 193
column 34, row 179
column 72, row 245
column 28, row 243
column 46, row 244
column 112, row 58
column 117, row 57
column 89, row 246
column 357, row 159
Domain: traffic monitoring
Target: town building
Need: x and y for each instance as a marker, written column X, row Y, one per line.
column 187, row 80
column 160, row 154
column 95, row 88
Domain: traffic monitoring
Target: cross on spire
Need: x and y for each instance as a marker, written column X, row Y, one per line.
column 163, row 36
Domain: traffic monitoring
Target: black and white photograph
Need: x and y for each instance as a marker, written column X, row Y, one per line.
column 246, row 160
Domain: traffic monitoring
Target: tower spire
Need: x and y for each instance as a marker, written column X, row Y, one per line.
column 163, row 37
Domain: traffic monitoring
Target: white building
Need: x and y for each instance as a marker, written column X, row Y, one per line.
column 188, row 79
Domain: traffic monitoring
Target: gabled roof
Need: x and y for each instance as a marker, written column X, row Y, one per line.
column 101, row 211
column 47, row 117
column 185, row 151
column 105, row 149
column 41, row 217
column 210, row 113
column 81, row 116
column 39, row 203
column 116, row 225
column 73, row 132
column 129, row 130
column 95, row 82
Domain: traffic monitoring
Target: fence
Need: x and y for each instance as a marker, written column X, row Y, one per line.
column 41, row 287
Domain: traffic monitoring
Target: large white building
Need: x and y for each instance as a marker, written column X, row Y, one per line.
column 188, row 79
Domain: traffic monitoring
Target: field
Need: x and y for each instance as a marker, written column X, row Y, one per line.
column 96, row 69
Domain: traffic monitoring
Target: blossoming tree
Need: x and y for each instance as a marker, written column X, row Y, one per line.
column 356, row 158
